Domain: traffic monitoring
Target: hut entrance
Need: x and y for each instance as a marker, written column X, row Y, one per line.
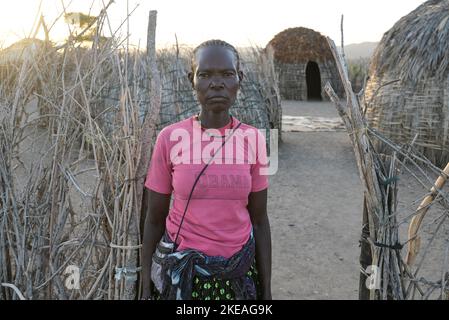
column 313, row 80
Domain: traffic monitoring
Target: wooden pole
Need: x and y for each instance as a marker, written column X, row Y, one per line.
column 150, row 122
column 365, row 255
column 415, row 224
column 355, row 123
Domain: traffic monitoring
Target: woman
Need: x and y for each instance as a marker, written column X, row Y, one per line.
column 218, row 223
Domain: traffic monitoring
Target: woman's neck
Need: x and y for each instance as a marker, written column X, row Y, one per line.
column 214, row 120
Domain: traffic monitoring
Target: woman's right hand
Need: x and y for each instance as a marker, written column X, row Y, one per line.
column 147, row 293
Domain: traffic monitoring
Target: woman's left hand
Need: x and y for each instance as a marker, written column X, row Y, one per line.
column 266, row 296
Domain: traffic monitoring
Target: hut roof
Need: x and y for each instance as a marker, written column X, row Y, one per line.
column 26, row 47
column 299, row 45
column 417, row 45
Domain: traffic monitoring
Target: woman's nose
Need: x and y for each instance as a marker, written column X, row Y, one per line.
column 217, row 83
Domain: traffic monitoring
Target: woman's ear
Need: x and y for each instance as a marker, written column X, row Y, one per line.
column 240, row 74
column 190, row 76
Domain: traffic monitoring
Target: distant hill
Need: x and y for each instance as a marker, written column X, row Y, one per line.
column 360, row 50
column 353, row 51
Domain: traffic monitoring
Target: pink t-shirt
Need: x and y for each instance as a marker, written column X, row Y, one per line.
column 217, row 220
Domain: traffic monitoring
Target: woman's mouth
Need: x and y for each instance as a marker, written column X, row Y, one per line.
column 217, row 99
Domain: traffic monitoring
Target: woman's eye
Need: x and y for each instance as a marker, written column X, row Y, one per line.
column 229, row 74
column 202, row 75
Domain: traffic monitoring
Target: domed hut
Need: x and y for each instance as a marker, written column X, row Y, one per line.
column 408, row 88
column 25, row 69
column 305, row 64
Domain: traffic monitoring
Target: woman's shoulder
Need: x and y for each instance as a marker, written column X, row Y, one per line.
column 168, row 129
column 244, row 127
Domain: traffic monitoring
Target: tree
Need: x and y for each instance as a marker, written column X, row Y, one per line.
column 87, row 27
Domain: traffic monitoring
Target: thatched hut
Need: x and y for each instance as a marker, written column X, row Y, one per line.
column 305, row 64
column 408, row 88
column 22, row 75
column 26, row 48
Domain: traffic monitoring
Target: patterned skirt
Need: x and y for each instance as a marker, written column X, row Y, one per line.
column 215, row 288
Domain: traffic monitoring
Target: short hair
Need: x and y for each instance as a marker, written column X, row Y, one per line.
column 216, row 43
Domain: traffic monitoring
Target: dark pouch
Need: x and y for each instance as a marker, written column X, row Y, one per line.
column 163, row 248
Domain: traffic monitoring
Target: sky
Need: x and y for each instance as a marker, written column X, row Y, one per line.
column 240, row 22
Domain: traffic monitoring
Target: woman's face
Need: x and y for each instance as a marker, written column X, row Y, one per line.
column 215, row 78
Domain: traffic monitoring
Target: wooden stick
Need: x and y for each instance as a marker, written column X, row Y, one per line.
column 16, row 290
column 152, row 117
column 415, row 224
column 372, row 171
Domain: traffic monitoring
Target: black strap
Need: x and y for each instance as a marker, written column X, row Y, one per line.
column 396, row 246
column 198, row 178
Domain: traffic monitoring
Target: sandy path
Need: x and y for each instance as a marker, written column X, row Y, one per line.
column 306, row 108
column 315, row 208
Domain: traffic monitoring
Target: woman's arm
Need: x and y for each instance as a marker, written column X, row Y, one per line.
column 257, row 207
column 156, row 206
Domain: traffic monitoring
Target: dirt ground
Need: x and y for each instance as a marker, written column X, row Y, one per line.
column 315, row 209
